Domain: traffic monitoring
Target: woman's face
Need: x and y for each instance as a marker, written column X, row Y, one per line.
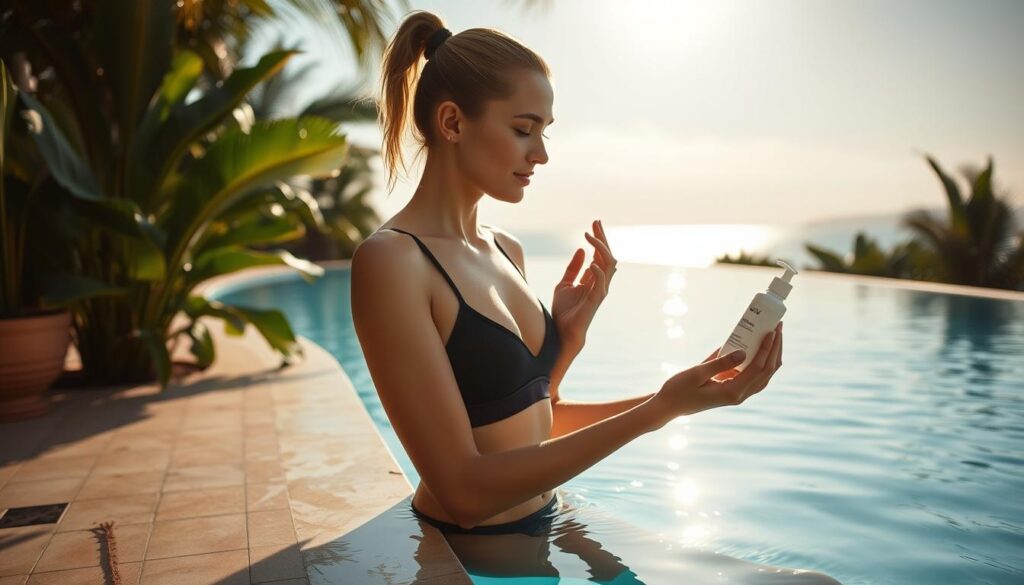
column 507, row 142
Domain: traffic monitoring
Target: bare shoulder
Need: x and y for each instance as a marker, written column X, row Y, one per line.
column 388, row 254
column 510, row 244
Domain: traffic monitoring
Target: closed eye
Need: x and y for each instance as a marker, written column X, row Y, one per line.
column 521, row 133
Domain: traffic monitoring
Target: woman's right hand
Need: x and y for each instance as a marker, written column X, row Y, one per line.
column 715, row 383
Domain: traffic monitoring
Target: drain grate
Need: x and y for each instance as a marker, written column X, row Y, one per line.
column 32, row 515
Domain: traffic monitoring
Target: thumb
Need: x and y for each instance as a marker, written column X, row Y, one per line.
column 721, row 364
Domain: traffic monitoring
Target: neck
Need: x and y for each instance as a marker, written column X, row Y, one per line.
column 445, row 202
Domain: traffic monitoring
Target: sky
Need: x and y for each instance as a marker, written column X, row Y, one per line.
column 726, row 112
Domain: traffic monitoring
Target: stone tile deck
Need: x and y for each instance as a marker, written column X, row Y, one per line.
column 242, row 474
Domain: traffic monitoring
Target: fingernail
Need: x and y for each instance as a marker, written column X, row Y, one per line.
column 738, row 355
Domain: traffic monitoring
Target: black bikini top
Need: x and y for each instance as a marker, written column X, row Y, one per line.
column 497, row 374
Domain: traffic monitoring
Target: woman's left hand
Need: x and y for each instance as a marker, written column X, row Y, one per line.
column 574, row 305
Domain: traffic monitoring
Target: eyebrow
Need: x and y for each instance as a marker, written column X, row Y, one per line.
column 535, row 118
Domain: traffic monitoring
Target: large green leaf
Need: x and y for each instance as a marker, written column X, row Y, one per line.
column 185, row 70
column 64, row 162
column 60, row 290
column 78, row 78
column 830, row 261
column 956, row 203
column 237, row 163
column 234, row 258
column 254, row 229
column 271, row 323
column 157, row 347
column 161, row 155
column 142, row 250
column 202, row 344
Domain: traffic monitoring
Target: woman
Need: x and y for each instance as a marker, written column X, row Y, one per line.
column 465, row 359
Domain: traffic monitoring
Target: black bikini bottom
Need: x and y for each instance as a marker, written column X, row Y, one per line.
column 535, row 523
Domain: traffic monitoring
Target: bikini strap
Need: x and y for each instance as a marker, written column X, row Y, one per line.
column 426, row 251
column 506, row 255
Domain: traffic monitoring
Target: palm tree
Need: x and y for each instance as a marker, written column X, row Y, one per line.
column 979, row 244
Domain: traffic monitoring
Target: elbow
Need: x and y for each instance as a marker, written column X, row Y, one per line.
column 465, row 505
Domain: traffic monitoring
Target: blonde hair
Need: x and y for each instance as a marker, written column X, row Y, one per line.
column 469, row 68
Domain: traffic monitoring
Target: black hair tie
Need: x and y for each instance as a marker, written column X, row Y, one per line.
column 435, row 41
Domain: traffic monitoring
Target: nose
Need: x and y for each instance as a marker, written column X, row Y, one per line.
column 539, row 155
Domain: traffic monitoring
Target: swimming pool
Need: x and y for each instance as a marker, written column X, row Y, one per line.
column 888, row 449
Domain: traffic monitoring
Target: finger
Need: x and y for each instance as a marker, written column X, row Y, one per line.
column 773, row 357
column 712, row 355
column 778, row 362
column 720, row 364
column 574, row 267
column 750, row 376
column 600, row 279
column 603, row 250
column 599, row 232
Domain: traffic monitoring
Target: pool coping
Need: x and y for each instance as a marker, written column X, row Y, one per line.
column 239, row 474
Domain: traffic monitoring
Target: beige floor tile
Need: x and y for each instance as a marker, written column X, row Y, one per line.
column 156, row 424
column 87, row 548
column 202, row 502
column 262, row 452
column 205, row 455
column 214, row 435
column 93, row 445
column 266, row 496
column 210, row 421
column 263, row 471
column 223, row 568
column 7, row 472
column 86, row 514
column 129, row 573
column 192, row 536
column 270, row 528
column 125, row 460
column 121, row 484
column 55, row 468
column 275, row 563
column 203, row 477
column 20, row 548
column 285, row 582
column 35, row 493
column 142, row 441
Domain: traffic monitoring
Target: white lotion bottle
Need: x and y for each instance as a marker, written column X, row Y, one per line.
column 761, row 316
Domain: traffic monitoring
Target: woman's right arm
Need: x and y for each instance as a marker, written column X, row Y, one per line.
column 417, row 388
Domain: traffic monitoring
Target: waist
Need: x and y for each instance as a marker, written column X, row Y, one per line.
column 532, row 524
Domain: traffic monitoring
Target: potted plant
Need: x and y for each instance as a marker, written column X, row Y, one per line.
column 33, row 338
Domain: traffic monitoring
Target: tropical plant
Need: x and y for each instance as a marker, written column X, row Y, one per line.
column 139, row 174
column 905, row 260
column 979, row 244
column 12, row 216
column 347, row 214
column 747, row 259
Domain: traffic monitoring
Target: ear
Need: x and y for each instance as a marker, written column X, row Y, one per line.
column 449, row 120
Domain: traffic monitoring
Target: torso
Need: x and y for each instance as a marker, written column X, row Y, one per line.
column 490, row 284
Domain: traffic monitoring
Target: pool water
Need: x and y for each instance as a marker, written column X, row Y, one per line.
column 887, row 449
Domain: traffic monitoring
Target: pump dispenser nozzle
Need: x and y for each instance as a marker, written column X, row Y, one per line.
column 780, row 286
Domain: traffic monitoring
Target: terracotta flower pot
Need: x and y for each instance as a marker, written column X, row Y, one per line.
column 32, row 351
